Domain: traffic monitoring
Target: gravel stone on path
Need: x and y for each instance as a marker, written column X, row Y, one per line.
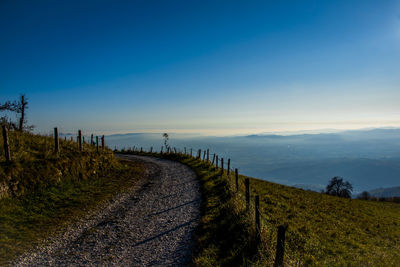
column 150, row 225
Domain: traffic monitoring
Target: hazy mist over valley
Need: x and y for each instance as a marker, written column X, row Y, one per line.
column 369, row 159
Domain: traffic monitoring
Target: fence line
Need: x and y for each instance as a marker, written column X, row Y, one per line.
column 80, row 141
column 253, row 209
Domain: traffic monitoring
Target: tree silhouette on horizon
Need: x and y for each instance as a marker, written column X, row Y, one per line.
column 337, row 187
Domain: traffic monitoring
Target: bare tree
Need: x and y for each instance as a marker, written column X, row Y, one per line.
column 337, row 187
column 8, row 106
column 22, row 105
column 19, row 107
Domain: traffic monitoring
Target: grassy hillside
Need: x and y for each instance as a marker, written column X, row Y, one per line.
column 42, row 192
column 323, row 230
column 35, row 165
column 328, row 230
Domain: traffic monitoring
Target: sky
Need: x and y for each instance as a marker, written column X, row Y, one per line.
column 210, row 67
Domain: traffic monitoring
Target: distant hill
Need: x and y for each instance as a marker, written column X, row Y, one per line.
column 386, row 192
column 368, row 158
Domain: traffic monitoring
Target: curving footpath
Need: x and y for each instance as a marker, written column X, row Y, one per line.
column 151, row 225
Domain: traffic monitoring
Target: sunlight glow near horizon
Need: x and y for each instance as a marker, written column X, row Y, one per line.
column 225, row 68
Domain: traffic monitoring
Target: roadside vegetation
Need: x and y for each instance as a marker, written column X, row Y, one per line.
column 224, row 236
column 323, row 230
column 42, row 192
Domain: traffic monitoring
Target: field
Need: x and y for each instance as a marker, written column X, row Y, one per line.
column 328, row 230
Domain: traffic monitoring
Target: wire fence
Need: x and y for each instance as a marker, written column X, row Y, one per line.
column 96, row 144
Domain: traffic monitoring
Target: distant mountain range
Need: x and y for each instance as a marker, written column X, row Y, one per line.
column 369, row 134
column 368, row 158
column 386, row 192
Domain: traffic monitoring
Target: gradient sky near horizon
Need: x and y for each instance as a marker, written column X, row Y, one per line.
column 211, row 67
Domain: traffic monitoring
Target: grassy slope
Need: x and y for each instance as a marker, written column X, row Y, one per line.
column 224, row 236
column 329, row 230
column 48, row 192
column 323, row 230
column 35, row 165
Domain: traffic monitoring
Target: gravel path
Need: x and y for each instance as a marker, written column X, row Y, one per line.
column 151, row 225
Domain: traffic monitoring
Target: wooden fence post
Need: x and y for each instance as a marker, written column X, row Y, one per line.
column 191, row 154
column 257, row 212
column 222, row 166
column 6, row 144
column 141, row 149
column 237, row 179
column 216, row 161
column 204, row 155
column 229, row 166
column 91, row 140
column 97, row 144
column 151, row 149
column 208, row 155
column 185, row 150
column 103, row 142
column 247, row 184
column 72, row 139
column 80, row 140
column 83, row 139
column 56, row 142
column 280, row 246
column 212, row 163
column 175, row 150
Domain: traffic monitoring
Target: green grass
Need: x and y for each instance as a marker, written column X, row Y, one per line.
column 326, row 230
column 224, row 232
column 47, row 192
column 34, row 163
column 323, row 230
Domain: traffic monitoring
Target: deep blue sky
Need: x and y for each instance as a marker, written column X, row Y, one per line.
column 216, row 67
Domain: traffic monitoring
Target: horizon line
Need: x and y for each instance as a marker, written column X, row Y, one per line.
column 277, row 133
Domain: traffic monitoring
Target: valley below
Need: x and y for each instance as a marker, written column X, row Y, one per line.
column 368, row 159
